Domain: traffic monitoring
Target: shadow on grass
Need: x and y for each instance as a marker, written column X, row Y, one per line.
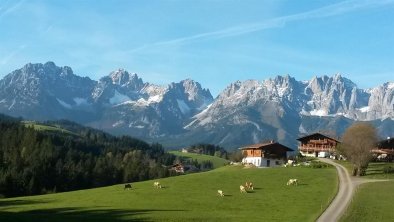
column 375, row 172
column 70, row 214
column 4, row 203
column 79, row 214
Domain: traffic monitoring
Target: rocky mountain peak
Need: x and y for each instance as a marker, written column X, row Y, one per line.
column 230, row 90
column 194, row 90
column 123, row 78
column 244, row 112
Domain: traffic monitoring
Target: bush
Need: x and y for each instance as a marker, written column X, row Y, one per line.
column 318, row 164
column 300, row 158
column 388, row 170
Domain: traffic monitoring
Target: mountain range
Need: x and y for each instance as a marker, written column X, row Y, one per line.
column 184, row 113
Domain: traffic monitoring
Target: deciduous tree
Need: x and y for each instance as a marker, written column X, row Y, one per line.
column 358, row 141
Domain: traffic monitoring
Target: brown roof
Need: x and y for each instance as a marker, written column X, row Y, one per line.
column 383, row 151
column 386, row 144
column 315, row 135
column 265, row 146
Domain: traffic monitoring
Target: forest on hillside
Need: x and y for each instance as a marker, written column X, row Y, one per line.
column 39, row 162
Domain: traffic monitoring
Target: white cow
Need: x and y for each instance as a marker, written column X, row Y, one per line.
column 220, row 192
column 157, row 184
column 242, row 189
column 249, row 185
column 292, row 182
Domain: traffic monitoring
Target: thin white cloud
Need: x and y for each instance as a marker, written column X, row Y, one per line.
column 10, row 9
column 327, row 11
column 7, row 58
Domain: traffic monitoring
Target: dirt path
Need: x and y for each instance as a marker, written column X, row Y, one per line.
column 347, row 185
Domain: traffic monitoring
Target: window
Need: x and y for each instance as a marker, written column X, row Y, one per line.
column 277, row 162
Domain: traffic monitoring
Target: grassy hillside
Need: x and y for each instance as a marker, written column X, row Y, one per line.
column 216, row 161
column 374, row 170
column 43, row 127
column 190, row 197
column 372, row 202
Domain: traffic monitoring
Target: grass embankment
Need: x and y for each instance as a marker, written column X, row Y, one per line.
column 190, row 197
column 372, row 202
column 374, row 170
column 216, row 161
column 41, row 127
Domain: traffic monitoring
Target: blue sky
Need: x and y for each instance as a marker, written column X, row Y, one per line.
column 214, row 42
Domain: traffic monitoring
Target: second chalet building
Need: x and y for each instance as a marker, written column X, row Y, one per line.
column 268, row 154
column 313, row 144
column 384, row 150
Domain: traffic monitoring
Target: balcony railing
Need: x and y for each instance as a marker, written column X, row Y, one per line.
column 323, row 148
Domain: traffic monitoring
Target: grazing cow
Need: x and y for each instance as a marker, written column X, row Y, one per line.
column 127, row 186
column 249, row 185
column 242, row 189
column 220, row 192
column 292, row 182
column 157, row 184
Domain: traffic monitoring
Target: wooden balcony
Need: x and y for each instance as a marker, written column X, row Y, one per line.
column 321, row 148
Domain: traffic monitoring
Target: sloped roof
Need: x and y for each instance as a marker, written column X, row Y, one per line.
column 315, row 135
column 386, row 144
column 264, row 146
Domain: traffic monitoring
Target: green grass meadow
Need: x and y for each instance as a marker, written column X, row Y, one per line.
column 41, row 127
column 191, row 197
column 216, row 161
column 372, row 202
column 374, row 170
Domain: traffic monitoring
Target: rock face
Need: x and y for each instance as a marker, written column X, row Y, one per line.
column 184, row 113
column 45, row 91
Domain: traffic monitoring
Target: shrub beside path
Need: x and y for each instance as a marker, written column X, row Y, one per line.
column 347, row 186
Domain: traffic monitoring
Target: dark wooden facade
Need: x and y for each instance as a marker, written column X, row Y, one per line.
column 385, row 149
column 270, row 150
column 312, row 144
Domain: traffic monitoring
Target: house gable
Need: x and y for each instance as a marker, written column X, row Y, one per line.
column 312, row 144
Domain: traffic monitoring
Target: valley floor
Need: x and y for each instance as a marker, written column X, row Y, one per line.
column 189, row 198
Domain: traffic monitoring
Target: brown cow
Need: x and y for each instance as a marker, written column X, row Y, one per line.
column 127, row 186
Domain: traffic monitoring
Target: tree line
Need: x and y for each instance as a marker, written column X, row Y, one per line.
column 39, row 162
column 208, row 149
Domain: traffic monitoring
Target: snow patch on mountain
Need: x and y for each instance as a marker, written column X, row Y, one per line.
column 155, row 99
column 64, row 104
column 80, row 101
column 183, row 106
column 255, row 124
column 118, row 123
column 319, row 112
column 118, row 98
column 365, row 109
column 12, row 105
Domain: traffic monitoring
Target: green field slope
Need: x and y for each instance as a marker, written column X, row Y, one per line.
column 43, row 127
column 372, row 202
column 190, row 197
column 216, row 161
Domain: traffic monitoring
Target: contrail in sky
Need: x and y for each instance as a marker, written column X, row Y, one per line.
column 10, row 9
column 327, row 11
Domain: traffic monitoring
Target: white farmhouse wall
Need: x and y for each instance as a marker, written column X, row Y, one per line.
column 308, row 154
column 263, row 162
